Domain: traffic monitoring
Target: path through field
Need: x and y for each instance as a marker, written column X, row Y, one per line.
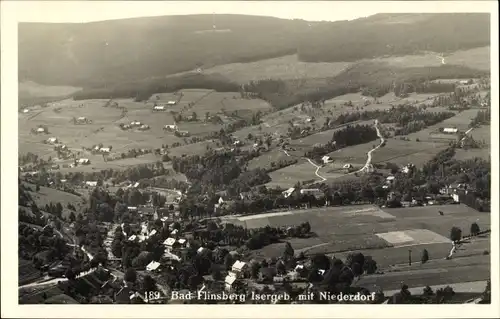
column 370, row 152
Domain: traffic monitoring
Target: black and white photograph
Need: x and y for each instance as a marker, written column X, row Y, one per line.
column 249, row 153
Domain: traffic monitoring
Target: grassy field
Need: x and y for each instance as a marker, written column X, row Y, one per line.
column 460, row 121
column 33, row 89
column 482, row 133
column 477, row 58
column 404, row 152
column 58, row 117
column 290, row 175
column 47, row 195
column 350, row 228
column 27, row 272
column 287, row 67
column 264, row 160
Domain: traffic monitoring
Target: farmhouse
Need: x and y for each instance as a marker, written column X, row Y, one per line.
column 91, row 183
column 82, row 120
column 52, row 140
column 450, row 130
column 326, row 159
column 40, row 130
column 390, row 179
column 182, row 133
column 170, row 127
column 83, row 161
column 347, row 168
column 407, row 169
column 171, row 102
column 159, row 108
column 312, row 191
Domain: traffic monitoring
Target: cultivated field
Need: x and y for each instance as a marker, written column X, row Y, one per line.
column 387, row 235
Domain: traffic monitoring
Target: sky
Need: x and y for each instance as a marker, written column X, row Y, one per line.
column 87, row 11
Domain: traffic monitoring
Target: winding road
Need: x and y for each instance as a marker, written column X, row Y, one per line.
column 368, row 154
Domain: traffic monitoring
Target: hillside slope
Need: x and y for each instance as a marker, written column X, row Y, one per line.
column 98, row 54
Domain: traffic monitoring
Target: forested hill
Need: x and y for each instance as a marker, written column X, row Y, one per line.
column 99, row 53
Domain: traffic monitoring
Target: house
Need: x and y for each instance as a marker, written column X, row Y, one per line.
column 183, row 133
column 238, row 143
column 171, row 102
column 135, row 123
column 132, row 238
column 312, row 191
column 183, row 243
column 25, row 110
column 453, row 189
column 390, row 179
column 170, row 127
column 200, row 250
column 450, row 130
column 152, row 266
column 407, row 169
column 52, row 140
column 288, row 192
column 170, row 244
column 144, row 127
column 321, row 272
column 132, row 208
column 159, row 108
column 229, row 282
column 238, row 268
column 81, row 120
column 347, row 168
column 91, row 183
column 40, row 130
column 326, row 159
column 83, row 161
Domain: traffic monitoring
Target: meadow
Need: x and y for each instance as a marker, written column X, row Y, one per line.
column 286, row 67
column 104, row 128
column 340, row 230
